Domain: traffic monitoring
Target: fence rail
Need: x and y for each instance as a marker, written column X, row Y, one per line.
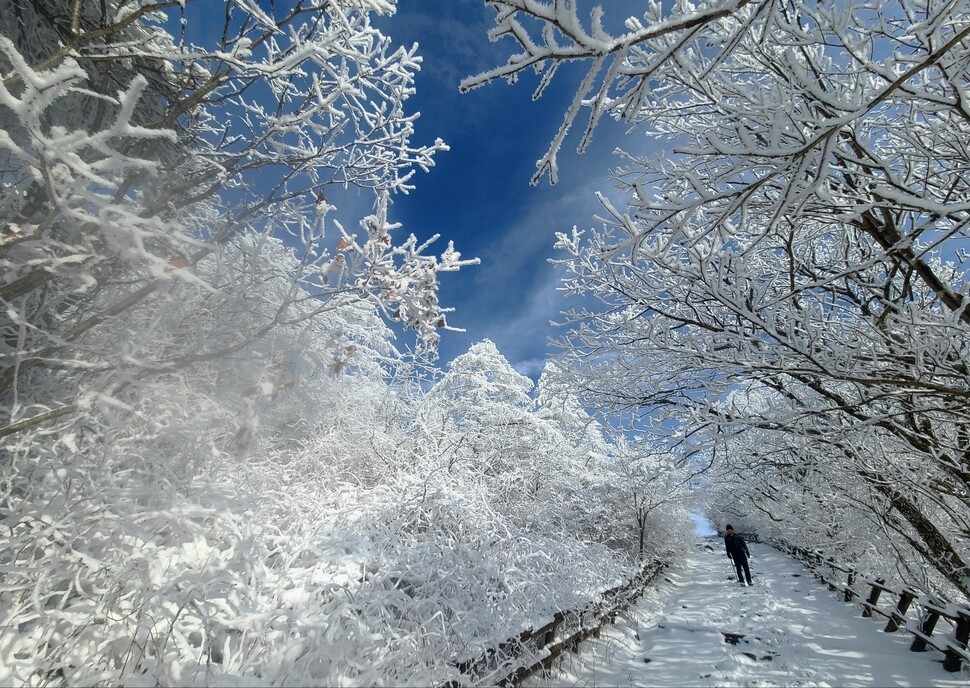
column 911, row 610
column 534, row 649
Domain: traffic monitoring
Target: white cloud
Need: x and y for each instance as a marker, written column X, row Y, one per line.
column 531, row 367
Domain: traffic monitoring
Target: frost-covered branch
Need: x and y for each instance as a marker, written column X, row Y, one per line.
column 114, row 196
column 553, row 32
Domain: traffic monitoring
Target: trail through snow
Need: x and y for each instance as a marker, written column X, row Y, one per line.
column 789, row 631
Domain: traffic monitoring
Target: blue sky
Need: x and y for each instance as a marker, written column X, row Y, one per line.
column 478, row 195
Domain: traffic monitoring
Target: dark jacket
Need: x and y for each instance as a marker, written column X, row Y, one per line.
column 735, row 546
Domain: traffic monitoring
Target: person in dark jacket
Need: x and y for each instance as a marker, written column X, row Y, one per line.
column 737, row 552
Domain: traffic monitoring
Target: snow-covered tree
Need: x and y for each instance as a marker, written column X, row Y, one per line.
column 481, row 397
column 139, row 144
column 804, row 236
column 480, row 416
column 191, row 343
column 557, row 401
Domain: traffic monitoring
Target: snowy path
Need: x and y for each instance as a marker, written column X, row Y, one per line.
column 796, row 633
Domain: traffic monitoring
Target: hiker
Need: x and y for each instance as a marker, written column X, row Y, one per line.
column 737, row 552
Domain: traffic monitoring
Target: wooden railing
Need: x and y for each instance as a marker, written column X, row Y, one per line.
column 911, row 610
column 537, row 648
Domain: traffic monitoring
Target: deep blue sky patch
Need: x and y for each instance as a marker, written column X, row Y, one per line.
column 479, row 195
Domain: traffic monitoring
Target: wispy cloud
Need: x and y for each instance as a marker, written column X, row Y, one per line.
column 457, row 28
column 531, row 367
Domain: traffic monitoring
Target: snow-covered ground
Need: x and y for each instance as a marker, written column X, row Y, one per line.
column 795, row 633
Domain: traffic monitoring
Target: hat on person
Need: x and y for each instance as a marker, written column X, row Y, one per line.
column 728, row 527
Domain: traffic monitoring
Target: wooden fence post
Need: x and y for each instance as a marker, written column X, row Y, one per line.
column 905, row 599
column 848, row 588
column 551, row 633
column 873, row 597
column 926, row 628
column 952, row 661
column 954, row 651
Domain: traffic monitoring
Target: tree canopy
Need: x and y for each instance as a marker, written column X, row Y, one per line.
column 788, row 284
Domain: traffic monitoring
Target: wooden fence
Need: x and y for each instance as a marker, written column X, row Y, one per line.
column 537, row 648
column 909, row 609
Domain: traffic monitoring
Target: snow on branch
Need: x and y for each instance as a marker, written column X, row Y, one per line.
column 550, row 33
